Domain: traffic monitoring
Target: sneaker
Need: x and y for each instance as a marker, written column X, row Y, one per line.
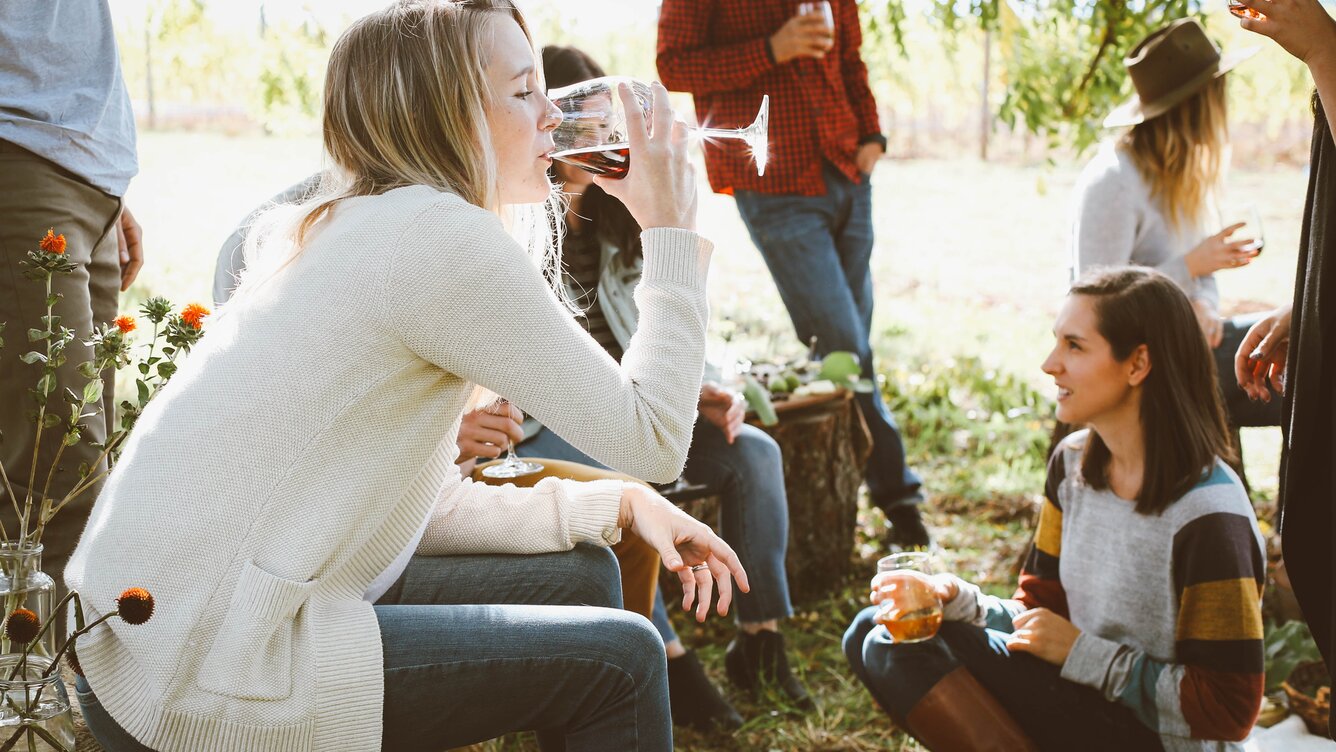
column 907, row 531
column 694, row 700
column 756, row 660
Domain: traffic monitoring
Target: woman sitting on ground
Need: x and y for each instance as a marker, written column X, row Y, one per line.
column 1151, row 198
column 1137, row 623
column 289, row 495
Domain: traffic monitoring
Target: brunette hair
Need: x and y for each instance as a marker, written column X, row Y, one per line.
column 608, row 219
column 1182, row 418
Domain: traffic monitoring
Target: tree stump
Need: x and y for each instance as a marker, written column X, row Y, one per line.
column 825, row 444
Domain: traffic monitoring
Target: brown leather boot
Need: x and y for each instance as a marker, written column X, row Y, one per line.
column 959, row 715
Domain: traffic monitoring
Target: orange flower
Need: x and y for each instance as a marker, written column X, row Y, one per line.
column 53, row 243
column 193, row 314
column 22, row 626
column 125, row 323
column 135, row 605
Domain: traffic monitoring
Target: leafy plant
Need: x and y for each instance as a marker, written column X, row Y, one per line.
column 1285, row 647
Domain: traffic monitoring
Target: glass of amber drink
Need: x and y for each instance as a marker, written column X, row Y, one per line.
column 911, row 610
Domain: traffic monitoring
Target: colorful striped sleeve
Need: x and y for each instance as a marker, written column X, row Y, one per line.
column 1214, row 689
column 1040, row 585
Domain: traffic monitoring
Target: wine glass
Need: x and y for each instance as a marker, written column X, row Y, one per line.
column 593, row 135
column 1248, row 215
column 511, row 466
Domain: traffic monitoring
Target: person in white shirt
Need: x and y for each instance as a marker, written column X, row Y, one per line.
column 289, row 496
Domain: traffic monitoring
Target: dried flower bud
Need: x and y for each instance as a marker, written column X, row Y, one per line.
column 193, row 314
column 125, row 323
column 135, row 605
column 53, row 243
column 22, row 626
column 72, row 658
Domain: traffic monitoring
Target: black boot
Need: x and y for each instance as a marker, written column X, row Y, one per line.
column 907, row 530
column 693, row 698
column 755, row 660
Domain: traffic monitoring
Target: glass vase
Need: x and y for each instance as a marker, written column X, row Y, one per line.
column 23, row 584
column 35, row 711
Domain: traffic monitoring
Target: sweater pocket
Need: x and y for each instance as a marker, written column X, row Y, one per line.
column 251, row 658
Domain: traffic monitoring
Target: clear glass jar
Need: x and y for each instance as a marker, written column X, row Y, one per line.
column 34, row 710
column 23, row 584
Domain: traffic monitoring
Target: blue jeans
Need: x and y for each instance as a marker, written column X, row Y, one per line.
column 748, row 475
column 1057, row 714
column 818, row 250
column 459, row 672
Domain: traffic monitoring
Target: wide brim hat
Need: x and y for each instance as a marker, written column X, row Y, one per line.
column 1170, row 65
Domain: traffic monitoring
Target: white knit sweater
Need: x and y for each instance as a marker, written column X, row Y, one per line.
column 311, row 432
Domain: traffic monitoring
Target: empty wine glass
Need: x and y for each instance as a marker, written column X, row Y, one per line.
column 511, row 466
column 593, row 135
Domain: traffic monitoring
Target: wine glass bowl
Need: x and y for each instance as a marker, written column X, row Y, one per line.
column 913, row 612
column 593, row 131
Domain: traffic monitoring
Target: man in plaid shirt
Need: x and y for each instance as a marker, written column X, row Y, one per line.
column 811, row 213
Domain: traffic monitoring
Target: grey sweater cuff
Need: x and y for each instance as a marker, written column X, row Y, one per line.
column 1090, row 660
column 967, row 606
column 595, row 507
column 676, row 255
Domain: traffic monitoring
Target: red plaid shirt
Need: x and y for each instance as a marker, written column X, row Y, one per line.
column 819, row 109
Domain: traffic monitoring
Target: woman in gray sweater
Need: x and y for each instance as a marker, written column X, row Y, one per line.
column 1149, row 197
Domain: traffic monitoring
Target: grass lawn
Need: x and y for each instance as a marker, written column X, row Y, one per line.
column 970, row 267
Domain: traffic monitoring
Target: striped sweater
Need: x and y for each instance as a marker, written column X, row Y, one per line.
column 1168, row 606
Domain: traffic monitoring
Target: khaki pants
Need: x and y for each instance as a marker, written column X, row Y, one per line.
column 34, row 195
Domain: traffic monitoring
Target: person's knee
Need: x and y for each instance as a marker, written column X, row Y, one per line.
column 634, row 646
column 596, row 579
column 855, row 635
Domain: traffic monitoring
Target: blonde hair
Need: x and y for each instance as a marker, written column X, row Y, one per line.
column 1181, row 154
column 405, row 104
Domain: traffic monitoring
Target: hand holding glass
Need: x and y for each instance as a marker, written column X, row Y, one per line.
column 822, row 7
column 511, row 466
column 593, row 135
column 911, row 610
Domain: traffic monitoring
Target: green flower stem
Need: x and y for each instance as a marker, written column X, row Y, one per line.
column 41, row 415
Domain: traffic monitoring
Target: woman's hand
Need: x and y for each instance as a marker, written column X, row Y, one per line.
column 1219, row 252
column 886, row 585
column 684, row 543
column 1302, row 27
column 1262, row 354
column 660, row 187
column 1212, row 326
column 1043, row 634
column 486, row 431
column 724, row 409
column 130, row 245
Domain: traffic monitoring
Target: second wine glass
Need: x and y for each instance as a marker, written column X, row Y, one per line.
column 593, row 136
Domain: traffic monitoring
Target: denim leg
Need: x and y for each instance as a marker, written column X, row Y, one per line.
column 1056, row 713
column 458, row 674
column 816, row 248
column 546, row 443
column 748, row 475
column 1241, row 410
column 659, row 618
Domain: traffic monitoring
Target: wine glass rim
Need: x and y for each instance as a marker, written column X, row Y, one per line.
column 890, row 560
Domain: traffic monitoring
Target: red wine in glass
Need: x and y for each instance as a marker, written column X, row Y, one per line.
column 609, row 161
column 1243, row 11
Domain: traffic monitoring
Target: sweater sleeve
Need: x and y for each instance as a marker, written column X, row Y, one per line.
column 464, row 296
column 554, row 515
column 1104, row 232
column 1213, row 689
column 687, row 59
column 1040, row 582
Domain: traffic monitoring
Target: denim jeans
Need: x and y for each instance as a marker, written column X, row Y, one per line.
column 466, row 662
column 1057, row 714
column 1241, row 410
column 748, row 475
column 818, row 250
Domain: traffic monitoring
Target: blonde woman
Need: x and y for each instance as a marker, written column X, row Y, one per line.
column 1149, row 198
column 287, row 498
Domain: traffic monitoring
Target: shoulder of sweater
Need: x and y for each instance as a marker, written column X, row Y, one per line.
column 1111, row 168
column 1218, row 491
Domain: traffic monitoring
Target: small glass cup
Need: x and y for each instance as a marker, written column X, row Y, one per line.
column 822, row 7
column 913, row 612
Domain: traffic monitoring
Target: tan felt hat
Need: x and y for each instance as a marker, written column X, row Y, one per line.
column 1169, row 66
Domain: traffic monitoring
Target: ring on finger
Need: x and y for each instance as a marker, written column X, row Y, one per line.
column 699, row 567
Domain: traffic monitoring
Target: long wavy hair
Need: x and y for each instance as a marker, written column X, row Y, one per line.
column 1181, row 154
column 1182, row 416
column 405, row 104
